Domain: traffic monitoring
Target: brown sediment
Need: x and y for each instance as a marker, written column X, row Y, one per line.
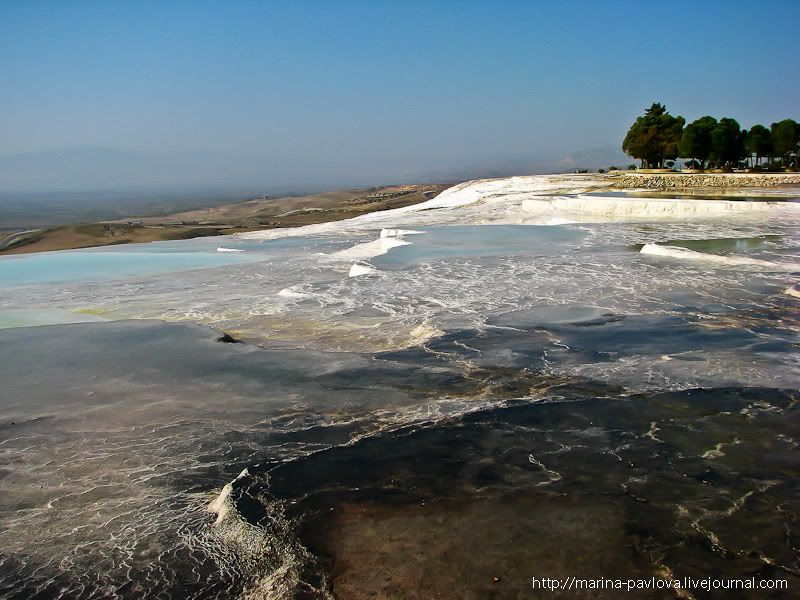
column 486, row 548
column 249, row 215
column 91, row 235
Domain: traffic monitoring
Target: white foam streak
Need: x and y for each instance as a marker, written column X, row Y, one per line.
column 361, row 268
column 741, row 261
column 293, row 294
column 220, row 505
column 398, row 233
column 388, row 239
column 370, row 249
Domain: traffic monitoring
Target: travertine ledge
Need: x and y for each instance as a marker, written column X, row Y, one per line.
column 663, row 181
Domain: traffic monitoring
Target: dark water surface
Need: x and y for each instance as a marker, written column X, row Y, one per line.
column 419, row 473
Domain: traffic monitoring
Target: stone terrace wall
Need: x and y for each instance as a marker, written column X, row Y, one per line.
column 663, row 181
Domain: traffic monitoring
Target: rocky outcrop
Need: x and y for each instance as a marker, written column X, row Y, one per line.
column 667, row 181
column 227, row 338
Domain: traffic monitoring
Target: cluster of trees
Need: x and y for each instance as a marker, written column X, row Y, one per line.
column 657, row 139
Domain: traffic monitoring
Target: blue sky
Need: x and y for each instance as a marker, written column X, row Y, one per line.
column 280, row 93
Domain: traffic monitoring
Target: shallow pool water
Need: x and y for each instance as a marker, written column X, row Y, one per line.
column 465, row 241
column 128, row 261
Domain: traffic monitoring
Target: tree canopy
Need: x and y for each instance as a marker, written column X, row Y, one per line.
column 759, row 142
column 654, row 137
column 657, row 138
column 696, row 140
column 727, row 143
column 785, row 137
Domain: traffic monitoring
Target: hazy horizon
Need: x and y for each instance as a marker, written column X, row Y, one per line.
column 92, row 169
column 262, row 97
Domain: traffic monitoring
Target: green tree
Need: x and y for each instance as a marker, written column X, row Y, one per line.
column 727, row 143
column 696, row 140
column 758, row 142
column 785, row 137
column 654, row 137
